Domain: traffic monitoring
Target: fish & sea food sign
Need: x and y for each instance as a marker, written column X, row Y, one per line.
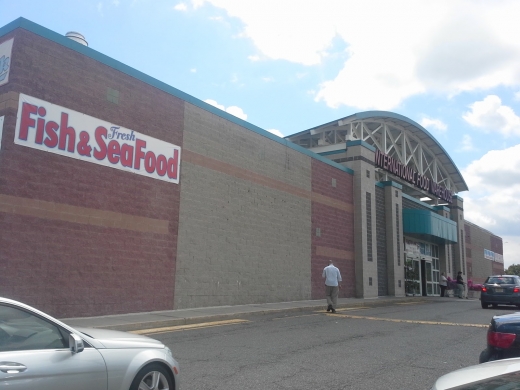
column 55, row 129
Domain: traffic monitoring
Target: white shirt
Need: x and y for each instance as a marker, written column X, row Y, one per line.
column 444, row 281
column 331, row 275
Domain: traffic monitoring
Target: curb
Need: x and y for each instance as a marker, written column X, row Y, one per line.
column 143, row 325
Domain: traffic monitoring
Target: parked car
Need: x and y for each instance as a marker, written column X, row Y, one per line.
column 40, row 352
column 503, row 338
column 500, row 374
column 500, row 290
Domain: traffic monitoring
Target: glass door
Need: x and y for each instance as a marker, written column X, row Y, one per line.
column 412, row 276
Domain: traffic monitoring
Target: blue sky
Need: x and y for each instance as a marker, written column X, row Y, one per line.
column 289, row 65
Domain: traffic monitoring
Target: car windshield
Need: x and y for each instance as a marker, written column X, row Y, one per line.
column 501, row 280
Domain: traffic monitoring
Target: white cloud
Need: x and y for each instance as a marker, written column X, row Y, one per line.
column 267, row 79
column 491, row 116
column 253, row 58
column 396, row 49
column 100, row 8
column 193, row 70
column 181, row 7
column 237, row 111
column 493, row 201
column 233, row 110
column 276, row 132
column 466, row 144
column 116, row 2
column 436, row 124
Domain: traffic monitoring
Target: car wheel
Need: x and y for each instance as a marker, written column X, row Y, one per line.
column 494, row 305
column 485, row 356
column 484, row 304
column 152, row 377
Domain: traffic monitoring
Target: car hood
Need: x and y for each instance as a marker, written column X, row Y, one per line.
column 117, row 340
column 477, row 373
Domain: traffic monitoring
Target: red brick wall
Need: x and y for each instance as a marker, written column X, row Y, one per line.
column 102, row 241
column 336, row 223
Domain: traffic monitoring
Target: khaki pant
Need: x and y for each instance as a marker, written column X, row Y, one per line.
column 461, row 289
column 331, row 292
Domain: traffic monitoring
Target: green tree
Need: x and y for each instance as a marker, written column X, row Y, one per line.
column 513, row 269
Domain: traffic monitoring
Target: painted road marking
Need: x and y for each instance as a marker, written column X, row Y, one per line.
column 408, row 321
column 353, row 308
column 188, row 327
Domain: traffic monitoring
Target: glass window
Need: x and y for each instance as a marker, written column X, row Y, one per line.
column 502, row 280
column 21, row 330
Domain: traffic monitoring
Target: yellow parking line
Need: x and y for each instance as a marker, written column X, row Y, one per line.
column 188, row 327
column 353, row 308
column 409, row 321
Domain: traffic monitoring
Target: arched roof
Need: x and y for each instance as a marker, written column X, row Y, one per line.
column 393, row 134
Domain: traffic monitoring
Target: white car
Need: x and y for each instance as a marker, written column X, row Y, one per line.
column 495, row 375
column 40, row 352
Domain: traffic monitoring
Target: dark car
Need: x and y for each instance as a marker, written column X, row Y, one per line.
column 503, row 338
column 500, row 290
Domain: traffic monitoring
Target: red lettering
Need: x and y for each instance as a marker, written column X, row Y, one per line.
column 65, row 132
column 113, row 151
column 127, row 154
column 99, row 134
column 52, row 138
column 161, row 165
column 139, row 154
column 26, row 121
column 40, row 127
column 173, row 164
column 149, row 162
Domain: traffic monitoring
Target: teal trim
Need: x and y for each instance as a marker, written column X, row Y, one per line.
column 391, row 183
column 104, row 59
column 444, row 208
column 362, row 143
column 379, row 184
column 428, row 223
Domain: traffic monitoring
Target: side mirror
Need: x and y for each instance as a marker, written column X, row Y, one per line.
column 76, row 343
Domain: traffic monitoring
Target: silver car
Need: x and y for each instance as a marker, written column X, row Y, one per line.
column 40, row 352
column 495, row 375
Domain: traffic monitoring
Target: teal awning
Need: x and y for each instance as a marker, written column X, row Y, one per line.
column 427, row 223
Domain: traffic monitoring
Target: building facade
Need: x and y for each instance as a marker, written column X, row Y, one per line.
column 119, row 194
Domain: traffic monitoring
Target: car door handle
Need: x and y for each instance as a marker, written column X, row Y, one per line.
column 12, row 367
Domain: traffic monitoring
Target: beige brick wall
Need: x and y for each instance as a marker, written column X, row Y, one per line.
column 245, row 217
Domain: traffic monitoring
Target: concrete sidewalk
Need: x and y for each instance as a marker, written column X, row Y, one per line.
column 158, row 319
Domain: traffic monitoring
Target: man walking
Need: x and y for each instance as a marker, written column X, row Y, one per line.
column 332, row 278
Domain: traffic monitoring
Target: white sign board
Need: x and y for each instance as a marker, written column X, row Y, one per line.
column 5, row 60
column 55, row 129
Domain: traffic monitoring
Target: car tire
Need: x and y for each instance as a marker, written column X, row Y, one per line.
column 484, row 357
column 484, row 304
column 154, row 376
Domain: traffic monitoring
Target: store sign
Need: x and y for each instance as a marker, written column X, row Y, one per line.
column 51, row 128
column 395, row 167
column 412, row 248
column 5, row 60
column 490, row 255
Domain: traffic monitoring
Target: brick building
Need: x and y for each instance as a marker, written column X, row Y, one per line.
column 119, row 193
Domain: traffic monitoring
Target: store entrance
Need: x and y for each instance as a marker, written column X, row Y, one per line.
column 430, row 276
column 422, row 272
